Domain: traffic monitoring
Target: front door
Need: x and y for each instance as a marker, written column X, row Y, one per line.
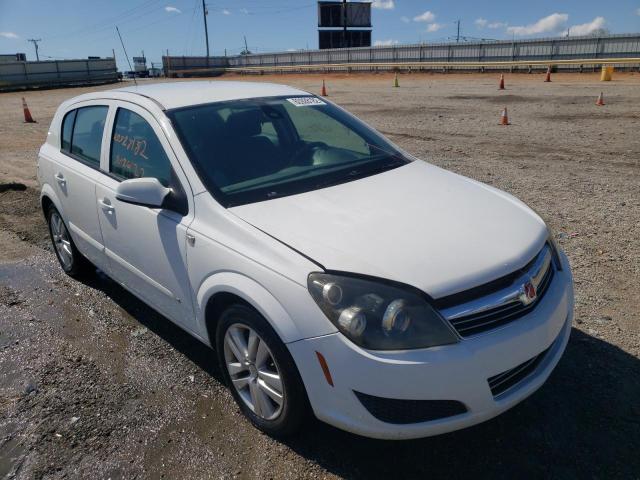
column 146, row 247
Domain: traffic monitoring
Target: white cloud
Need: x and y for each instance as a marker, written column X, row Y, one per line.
column 588, row 28
column 383, row 4
column 226, row 12
column 549, row 24
column 385, row 43
column 483, row 22
column 427, row 16
column 171, row 9
column 434, row 27
column 8, row 35
column 405, row 19
column 245, row 11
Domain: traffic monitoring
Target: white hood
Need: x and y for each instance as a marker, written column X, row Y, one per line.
column 417, row 224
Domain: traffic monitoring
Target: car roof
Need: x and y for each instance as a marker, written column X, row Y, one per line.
column 182, row 94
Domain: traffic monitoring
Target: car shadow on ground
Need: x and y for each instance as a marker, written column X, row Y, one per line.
column 563, row 431
column 196, row 351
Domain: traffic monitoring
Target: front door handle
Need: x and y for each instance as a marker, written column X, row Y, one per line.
column 106, row 205
column 60, row 179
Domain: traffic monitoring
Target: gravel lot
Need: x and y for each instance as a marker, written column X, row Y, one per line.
column 95, row 384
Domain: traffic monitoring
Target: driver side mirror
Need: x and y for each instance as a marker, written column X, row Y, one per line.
column 148, row 192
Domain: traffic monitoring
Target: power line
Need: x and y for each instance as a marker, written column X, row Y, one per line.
column 108, row 36
column 108, row 23
column 188, row 39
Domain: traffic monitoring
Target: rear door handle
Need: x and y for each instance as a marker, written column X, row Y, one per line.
column 60, row 178
column 106, row 205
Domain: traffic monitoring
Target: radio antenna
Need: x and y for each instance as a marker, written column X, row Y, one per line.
column 127, row 57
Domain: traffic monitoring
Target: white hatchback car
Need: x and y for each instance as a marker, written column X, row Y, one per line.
column 329, row 270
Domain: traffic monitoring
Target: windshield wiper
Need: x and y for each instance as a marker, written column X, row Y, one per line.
column 357, row 173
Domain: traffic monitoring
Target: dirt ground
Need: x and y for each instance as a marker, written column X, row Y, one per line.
column 95, row 384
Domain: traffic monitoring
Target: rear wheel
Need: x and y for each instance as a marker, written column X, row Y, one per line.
column 260, row 372
column 71, row 260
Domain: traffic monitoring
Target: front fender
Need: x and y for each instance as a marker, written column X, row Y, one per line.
column 251, row 292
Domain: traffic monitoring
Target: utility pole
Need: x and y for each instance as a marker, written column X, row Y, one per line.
column 206, row 31
column 458, row 35
column 35, row 44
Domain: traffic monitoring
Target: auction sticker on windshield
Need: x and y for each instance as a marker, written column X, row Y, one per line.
column 305, row 101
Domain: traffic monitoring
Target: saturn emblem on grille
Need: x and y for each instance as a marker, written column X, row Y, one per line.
column 528, row 293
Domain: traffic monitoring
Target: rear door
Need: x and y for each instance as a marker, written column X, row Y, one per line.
column 75, row 169
column 146, row 247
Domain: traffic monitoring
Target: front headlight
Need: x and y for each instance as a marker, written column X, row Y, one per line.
column 555, row 248
column 551, row 240
column 377, row 315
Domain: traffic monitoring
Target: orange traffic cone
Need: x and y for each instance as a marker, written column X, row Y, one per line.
column 504, row 118
column 501, row 82
column 324, row 89
column 548, row 78
column 27, row 114
column 600, row 100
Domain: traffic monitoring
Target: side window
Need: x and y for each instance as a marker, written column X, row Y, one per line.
column 136, row 151
column 67, row 130
column 86, row 140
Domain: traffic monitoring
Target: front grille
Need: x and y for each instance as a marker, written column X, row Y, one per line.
column 502, row 306
column 392, row 410
column 502, row 382
column 489, row 319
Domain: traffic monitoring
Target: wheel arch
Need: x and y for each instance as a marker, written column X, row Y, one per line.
column 223, row 289
column 48, row 197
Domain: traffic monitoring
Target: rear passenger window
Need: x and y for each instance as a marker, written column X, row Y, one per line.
column 86, row 140
column 67, row 130
column 136, row 151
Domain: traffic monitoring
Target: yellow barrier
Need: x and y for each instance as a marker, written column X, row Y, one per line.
column 607, row 73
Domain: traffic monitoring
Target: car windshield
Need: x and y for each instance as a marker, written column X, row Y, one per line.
column 257, row 149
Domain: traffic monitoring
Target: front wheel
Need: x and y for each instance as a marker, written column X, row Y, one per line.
column 260, row 372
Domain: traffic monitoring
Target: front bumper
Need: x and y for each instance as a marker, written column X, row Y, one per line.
column 452, row 372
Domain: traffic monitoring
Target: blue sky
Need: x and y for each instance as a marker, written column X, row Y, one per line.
column 78, row 28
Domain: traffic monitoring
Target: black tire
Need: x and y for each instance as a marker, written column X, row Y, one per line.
column 296, row 405
column 79, row 265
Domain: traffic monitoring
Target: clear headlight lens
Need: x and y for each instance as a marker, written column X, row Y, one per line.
column 377, row 315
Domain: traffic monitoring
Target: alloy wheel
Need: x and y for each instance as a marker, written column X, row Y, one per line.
column 253, row 371
column 61, row 240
